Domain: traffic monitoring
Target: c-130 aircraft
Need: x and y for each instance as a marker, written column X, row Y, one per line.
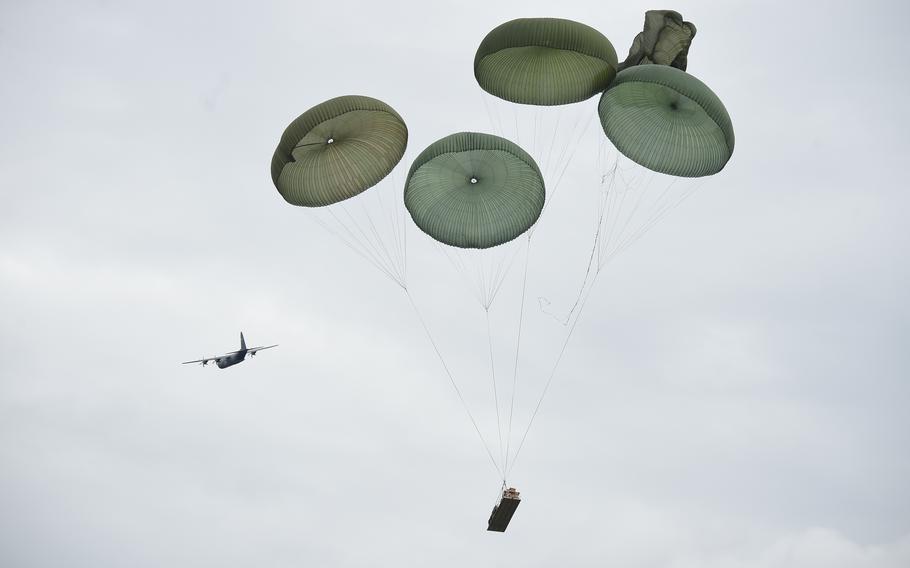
column 232, row 358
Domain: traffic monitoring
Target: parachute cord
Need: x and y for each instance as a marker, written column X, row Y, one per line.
column 596, row 247
column 631, row 215
column 365, row 242
column 550, row 378
column 499, row 493
column 460, row 267
column 561, row 165
column 482, row 285
column 393, row 265
column 661, row 213
column 502, row 276
column 396, row 228
column 493, row 115
column 380, row 240
column 584, row 282
column 454, row 384
column 493, row 380
column 517, row 131
column 524, row 286
column 666, row 209
column 553, row 139
column 471, row 270
column 361, row 250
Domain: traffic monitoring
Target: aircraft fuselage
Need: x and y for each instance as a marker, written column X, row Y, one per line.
column 232, row 359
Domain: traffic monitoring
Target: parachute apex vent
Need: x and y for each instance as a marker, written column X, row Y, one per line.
column 503, row 511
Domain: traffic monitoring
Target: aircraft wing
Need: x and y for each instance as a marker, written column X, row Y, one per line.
column 202, row 361
column 253, row 350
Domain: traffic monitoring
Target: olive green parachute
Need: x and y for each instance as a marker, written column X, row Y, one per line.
column 474, row 190
column 667, row 121
column 665, row 40
column 544, row 61
column 338, row 149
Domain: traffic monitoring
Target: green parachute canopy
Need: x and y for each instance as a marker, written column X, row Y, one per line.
column 474, row 190
column 544, row 61
column 667, row 121
column 338, row 149
column 665, row 40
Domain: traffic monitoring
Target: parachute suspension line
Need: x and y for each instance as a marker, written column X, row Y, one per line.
column 605, row 246
column 565, row 156
column 499, row 492
column 483, row 283
column 574, row 151
column 564, row 147
column 493, row 115
column 521, row 312
column 663, row 212
column 565, row 344
column 394, row 255
column 504, row 271
column 517, row 131
column 601, row 224
column 390, row 242
column 404, row 234
column 380, row 241
column 495, row 392
column 584, row 283
column 562, row 164
column 553, row 137
column 464, row 404
column 546, row 387
column 369, row 245
column 661, row 209
column 380, row 244
column 610, row 205
column 344, row 240
column 631, row 215
column 458, row 264
column 355, row 244
column 399, row 214
column 397, row 228
column 618, row 236
column 589, row 281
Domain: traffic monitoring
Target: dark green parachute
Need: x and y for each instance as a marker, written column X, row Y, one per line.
column 473, row 190
column 338, row 149
column 665, row 40
column 667, row 121
column 544, row 61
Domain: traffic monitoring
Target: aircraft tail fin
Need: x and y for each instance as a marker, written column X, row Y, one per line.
column 242, row 342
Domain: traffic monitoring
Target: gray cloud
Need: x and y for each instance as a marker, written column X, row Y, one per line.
column 734, row 394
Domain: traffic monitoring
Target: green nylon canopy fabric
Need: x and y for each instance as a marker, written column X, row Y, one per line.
column 474, row 190
column 544, row 61
column 338, row 149
column 665, row 40
column 667, row 121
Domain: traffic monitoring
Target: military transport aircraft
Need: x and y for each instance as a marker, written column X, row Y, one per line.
column 232, row 358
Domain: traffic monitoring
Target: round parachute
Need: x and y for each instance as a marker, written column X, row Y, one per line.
column 474, row 190
column 667, row 120
column 544, row 61
column 338, row 149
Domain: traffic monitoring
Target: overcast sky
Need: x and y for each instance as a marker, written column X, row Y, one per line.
column 735, row 393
